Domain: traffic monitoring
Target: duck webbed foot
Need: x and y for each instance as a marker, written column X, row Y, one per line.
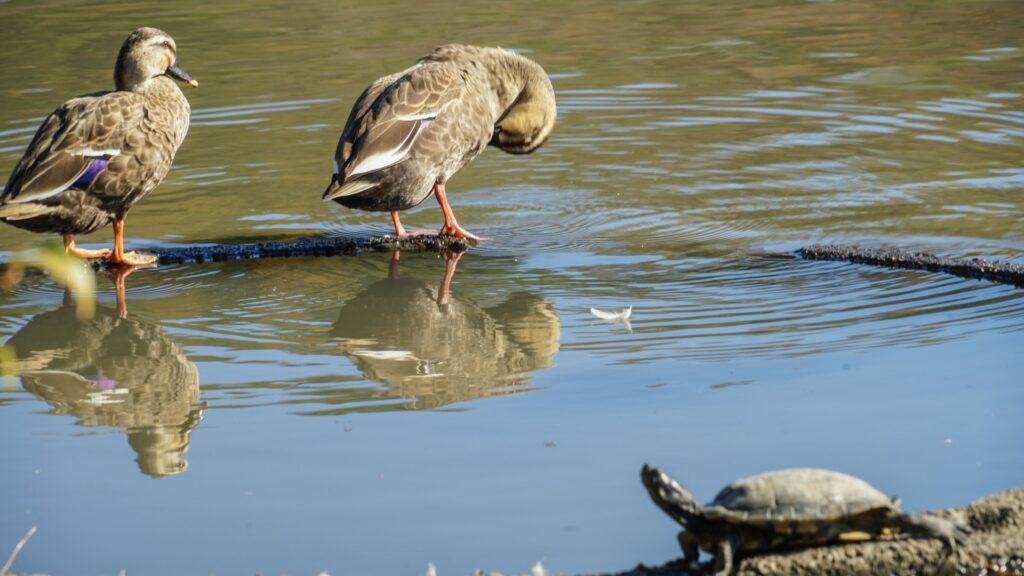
column 121, row 258
column 457, row 231
column 132, row 259
column 83, row 253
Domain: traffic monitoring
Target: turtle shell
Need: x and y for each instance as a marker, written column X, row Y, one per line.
column 798, row 495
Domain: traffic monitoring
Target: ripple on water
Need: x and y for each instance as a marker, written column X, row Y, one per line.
column 250, row 113
column 266, row 304
column 837, row 116
column 16, row 139
column 772, row 307
column 144, row 284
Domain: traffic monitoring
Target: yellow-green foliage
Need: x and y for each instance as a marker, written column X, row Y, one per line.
column 67, row 270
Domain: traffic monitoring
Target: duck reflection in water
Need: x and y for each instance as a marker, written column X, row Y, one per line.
column 111, row 371
column 435, row 347
column 117, row 276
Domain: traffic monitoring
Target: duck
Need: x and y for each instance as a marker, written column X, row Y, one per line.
column 97, row 155
column 411, row 131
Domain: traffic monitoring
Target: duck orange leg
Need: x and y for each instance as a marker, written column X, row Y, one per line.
column 451, row 226
column 85, row 254
column 121, row 258
column 400, row 230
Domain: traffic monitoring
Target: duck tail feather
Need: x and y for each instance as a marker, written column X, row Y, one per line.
column 17, row 211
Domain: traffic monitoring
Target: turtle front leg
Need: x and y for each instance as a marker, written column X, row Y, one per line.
column 690, row 546
column 723, row 557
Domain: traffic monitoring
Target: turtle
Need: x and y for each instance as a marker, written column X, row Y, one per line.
column 796, row 507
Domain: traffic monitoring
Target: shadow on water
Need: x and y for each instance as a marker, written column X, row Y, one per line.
column 116, row 372
column 436, row 347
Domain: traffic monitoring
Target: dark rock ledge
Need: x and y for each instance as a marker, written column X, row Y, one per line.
column 979, row 268
column 315, row 246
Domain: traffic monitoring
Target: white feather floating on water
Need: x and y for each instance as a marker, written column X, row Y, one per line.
column 620, row 316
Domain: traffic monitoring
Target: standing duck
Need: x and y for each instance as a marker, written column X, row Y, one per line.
column 409, row 132
column 97, row 155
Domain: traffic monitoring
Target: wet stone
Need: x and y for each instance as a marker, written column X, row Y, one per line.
column 978, row 268
column 303, row 247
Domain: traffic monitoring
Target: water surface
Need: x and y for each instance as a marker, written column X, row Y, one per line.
column 358, row 415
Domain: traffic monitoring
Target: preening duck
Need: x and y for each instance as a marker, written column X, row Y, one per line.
column 409, row 132
column 97, row 155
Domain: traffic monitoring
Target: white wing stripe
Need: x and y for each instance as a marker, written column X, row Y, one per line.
column 388, row 157
column 90, row 153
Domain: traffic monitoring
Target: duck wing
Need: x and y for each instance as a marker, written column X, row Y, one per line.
column 389, row 117
column 73, row 146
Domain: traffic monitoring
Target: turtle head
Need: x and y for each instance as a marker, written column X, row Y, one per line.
column 671, row 497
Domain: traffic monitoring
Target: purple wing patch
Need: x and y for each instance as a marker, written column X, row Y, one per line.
column 98, row 165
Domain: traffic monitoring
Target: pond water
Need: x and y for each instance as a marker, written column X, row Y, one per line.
column 298, row 415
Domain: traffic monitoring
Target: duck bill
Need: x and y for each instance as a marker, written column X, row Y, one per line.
column 175, row 72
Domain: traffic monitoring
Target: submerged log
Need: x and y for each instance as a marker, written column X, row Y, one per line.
column 316, row 246
column 977, row 268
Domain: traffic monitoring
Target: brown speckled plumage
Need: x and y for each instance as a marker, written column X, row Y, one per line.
column 136, row 129
column 414, row 129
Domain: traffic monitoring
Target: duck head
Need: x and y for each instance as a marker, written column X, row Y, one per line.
column 147, row 54
column 528, row 122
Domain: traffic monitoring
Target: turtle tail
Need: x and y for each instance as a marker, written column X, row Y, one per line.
column 669, row 495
